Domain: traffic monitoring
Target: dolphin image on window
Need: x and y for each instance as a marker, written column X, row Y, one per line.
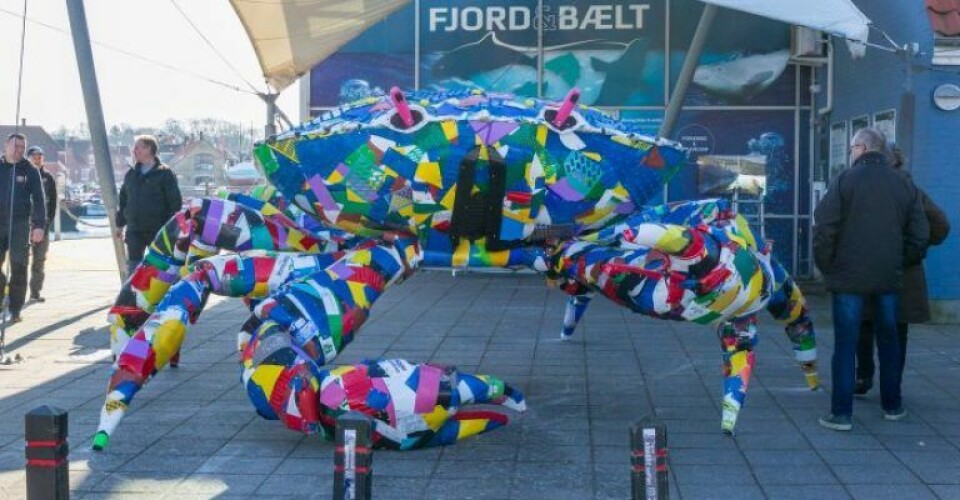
column 743, row 77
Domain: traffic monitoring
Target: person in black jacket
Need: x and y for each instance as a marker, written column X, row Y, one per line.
column 869, row 226
column 22, row 218
column 148, row 198
column 35, row 154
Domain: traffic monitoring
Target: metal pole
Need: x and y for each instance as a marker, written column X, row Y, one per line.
column 61, row 185
column 271, row 128
column 686, row 72
column 98, row 130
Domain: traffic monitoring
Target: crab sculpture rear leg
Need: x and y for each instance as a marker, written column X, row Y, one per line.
column 702, row 274
column 315, row 303
column 576, row 306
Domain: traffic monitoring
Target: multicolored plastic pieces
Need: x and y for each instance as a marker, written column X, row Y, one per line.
column 368, row 193
column 412, row 405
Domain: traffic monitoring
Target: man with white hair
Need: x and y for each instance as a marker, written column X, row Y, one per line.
column 868, row 227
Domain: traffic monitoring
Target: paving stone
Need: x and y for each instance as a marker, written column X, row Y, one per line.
column 783, row 458
column 227, row 464
column 318, row 486
column 874, row 474
column 805, row 474
column 706, row 456
column 166, row 464
column 858, row 457
column 713, row 474
column 946, row 492
column 444, row 487
column 124, row 483
column 404, row 468
column 938, row 475
column 890, row 492
column 721, row 492
column 469, row 469
column 806, row 492
column 220, row 484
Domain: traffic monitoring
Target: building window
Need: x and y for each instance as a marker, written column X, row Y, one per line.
column 946, row 50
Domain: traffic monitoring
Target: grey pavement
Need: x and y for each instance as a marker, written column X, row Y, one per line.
column 192, row 432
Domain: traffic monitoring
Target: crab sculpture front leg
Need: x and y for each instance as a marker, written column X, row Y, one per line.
column 236, row 224
column 158, row 340
column 710, row 273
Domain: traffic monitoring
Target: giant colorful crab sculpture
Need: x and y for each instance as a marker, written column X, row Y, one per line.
column 368, row 193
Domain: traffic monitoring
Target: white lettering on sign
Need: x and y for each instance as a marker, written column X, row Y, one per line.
column 519, row 18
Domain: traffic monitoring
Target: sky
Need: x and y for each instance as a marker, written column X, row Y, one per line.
column 132, row 90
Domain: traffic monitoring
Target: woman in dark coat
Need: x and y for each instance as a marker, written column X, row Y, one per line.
column 914, row 303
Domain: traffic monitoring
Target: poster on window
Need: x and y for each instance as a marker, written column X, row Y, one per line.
column 748, row 152
column 886, row 122
column 838, row 148
column 369, row 65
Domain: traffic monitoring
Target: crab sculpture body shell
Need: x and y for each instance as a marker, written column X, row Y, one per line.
column 367, row 194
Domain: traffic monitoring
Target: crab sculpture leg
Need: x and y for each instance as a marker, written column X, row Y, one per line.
column 236, row 224
column 318, row 301
column 710, row 272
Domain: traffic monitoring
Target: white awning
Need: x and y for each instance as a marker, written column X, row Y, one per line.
column 291, row 36
column 837, row 17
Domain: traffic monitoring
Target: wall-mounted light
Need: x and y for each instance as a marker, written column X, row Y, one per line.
column 947, row 97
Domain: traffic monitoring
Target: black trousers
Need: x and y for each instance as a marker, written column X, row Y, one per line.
column 16, row 242
column 137, row 243
column 865, row 364
column 37, row 261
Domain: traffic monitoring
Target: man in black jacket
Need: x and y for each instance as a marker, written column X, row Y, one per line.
column 35, row 154
column 21, row 199
column 148, row 198
column 868, row 227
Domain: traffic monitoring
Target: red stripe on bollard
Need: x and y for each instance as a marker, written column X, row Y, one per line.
column 353, row 457
column 46, row 450
column 36, row 462
column 44, row 444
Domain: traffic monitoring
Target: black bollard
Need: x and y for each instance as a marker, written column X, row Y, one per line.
column 48, row 471
column 353, row 457
column 648, row 444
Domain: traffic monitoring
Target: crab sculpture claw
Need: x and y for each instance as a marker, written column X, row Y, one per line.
column 416, row 405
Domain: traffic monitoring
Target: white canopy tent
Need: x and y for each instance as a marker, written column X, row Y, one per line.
column 839, row 18
column 291, row 36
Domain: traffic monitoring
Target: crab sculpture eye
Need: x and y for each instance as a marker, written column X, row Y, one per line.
column 564, row 118
column 405, row 118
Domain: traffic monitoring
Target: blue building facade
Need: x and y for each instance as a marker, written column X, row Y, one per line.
column 756, row 114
